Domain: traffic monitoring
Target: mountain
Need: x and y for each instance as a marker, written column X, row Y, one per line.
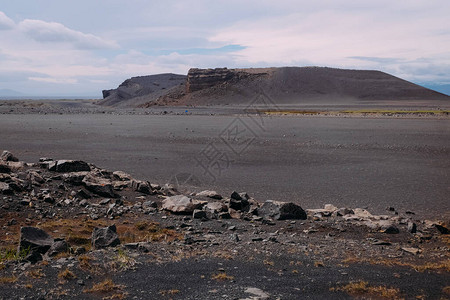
column 287, row 85
column 10, row 93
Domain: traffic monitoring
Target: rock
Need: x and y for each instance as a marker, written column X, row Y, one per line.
column 412, row 227
column 215, row 207
column 181, row 204
column 66, row 166
column 105, row 237
column 210, row 194
column 362, row 213
column 8, row 156
column 199, row 214
column 4, row 169
column 58, row 246
column 224, row 215
column 122, row 176
column 344, row 211
column 34, row 238
column 142, row 187
column 150, row 204
column 74, row 178
column 33, row 257
column 49, row 199
column 99, row 186
column 239, row 196
column 442, row 229
column 388, row 227
column 282, row 210
column 412, row 250
column 82, row 194
column 5, row 188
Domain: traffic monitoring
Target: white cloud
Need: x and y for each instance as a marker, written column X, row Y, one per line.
column 42, row 31
column 6, row 22
column 54, row 80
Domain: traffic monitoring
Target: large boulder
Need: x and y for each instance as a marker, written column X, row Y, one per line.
column 8, row 156
column 282, row 210
column 66, row 166
column 35, row 239
column 105, row 237
column 181, row 204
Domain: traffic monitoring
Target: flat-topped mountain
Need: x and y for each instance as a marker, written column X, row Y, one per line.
column 287, row 85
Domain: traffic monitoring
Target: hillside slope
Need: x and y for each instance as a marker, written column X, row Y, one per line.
column 138, row 90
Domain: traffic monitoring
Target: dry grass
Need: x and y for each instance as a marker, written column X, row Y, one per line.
column 8, row 279
column 446, row 290
column 429, row 266
column 66, row 275
column 143, row 231
column 269, row 263
column 362, row 288
column 318, row 264
column 106, row 286
column 222, row 276
column 36, row 273
column 122, row 261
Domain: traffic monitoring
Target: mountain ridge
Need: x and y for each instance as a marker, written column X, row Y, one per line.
column 286, row 85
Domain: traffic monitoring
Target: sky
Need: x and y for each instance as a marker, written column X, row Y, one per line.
column 79, row 48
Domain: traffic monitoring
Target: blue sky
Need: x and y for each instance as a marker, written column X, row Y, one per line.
column 53, row 47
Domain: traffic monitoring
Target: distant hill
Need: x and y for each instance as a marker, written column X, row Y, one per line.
column 10, row 93
column 287, row 85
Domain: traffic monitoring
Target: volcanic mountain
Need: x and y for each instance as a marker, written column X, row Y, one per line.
column 287, row 86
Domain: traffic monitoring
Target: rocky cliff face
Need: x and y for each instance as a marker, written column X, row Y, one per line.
column 199, row 79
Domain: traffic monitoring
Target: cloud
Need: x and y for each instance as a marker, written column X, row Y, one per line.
column 42, row 31
column 6, row 22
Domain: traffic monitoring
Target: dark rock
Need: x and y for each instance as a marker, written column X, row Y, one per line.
column 82, row 194
column 79, row 251
column 412, row 227
column 224, row 215
column 105, row 237
column 49, row 199
column 4, row 169
column 33, row 257
column 389, row 229
column 199, row 214
column 442, row 229
column 142, row 187
column 282, row 210
column 149, row 203
column 8, row 156
column 239, row 196
column 58, row 246
column 34, row 238
column 66, row 166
